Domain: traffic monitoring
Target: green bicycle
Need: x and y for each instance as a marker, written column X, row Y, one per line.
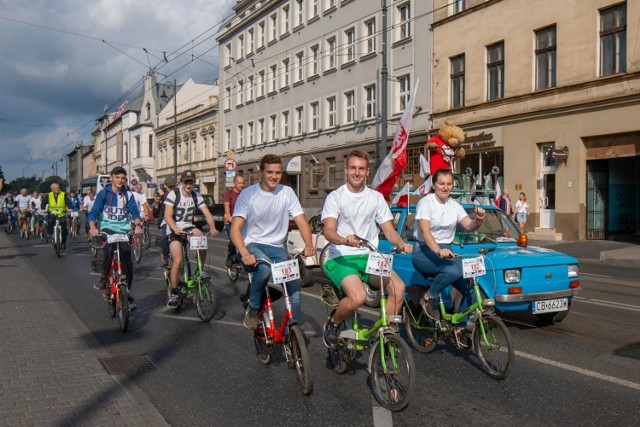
column 198, row 284
column 490, row 338
column 391, row 365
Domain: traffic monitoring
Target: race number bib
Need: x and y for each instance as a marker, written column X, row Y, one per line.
column 197, row 243
column 473, row 267
column 114, row 238
column 285, row 271
column 379, row 264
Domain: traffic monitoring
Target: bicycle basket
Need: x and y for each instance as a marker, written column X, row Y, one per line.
column 329, row 295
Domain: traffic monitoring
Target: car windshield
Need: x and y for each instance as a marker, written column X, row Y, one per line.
column 496, row 227
column 208, row 199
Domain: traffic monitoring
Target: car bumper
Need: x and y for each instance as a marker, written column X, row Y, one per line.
column 537, row 296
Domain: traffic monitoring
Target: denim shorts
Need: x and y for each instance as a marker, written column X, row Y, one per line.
column 521, row 217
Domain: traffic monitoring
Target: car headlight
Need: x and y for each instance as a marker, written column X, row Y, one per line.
column 512, row 275
column 573, row 270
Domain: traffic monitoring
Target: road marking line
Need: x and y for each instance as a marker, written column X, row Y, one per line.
column 381, row 417
column 582, row 371
column 608, row 304
column 594, row 275
column 194, row 319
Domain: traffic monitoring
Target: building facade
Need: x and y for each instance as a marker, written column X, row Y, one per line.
column 550, row 95
column 75, row 165
column 196, row 130
column 304, row 80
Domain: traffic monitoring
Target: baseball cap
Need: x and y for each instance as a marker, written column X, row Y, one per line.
column 188, row 175
column 118, row 170
column 170, row 181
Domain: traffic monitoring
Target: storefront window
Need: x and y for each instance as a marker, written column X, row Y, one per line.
column 488, row 163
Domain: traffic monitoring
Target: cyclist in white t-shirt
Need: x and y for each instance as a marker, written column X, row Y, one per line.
column 87, row 205
column 259, row 230
column 23, row 205
column 141, row 201
column 354, row 210
column 178, row 216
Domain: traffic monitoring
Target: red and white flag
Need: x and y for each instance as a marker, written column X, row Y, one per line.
column 402, row 198
column 498, row 193
column 396, row 161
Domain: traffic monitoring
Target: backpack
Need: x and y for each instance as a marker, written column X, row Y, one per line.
column 178, row 194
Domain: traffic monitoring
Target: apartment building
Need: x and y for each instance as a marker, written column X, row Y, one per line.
column 549, row 93
column 303, row 79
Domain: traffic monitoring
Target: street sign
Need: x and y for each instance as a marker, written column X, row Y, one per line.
column 134, row 181
column 230, row 165
column 229, row 153
column 152, row 185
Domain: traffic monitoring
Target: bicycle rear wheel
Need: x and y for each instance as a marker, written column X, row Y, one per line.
column 206, row 300
column 300, row 359
column 137, row 248
column 421, row 330
column 123, row 306
column 146, row 238
column 392, row 387
column 496, row 352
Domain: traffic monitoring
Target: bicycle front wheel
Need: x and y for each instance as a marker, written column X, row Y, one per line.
column 392, row 372
column 300, row 359
column 421, row 330
column 496, row 350
column 137, row 248
column 146, row 238
column 123, row 307
column 57, row 241
column 206, row 300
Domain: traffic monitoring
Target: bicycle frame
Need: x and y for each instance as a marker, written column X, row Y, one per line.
column 187, row 278
column 116, row 266
column 276, row 335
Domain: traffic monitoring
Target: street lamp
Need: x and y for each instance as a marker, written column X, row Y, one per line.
column 175, row 126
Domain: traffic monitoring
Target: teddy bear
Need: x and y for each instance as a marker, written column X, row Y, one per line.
column 444, row 148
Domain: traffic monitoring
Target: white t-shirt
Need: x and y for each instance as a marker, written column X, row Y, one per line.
column 356, row 213
column 88, row 203
column 444, row 217
column 23, row 202
column 183, row 213
column 521, row 207
column 140, row 199
column 267, row 214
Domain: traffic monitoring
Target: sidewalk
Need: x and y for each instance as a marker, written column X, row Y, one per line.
column 50, row 374
column 600, row 250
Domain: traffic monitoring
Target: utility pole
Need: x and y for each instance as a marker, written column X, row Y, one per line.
column 384, row 73
column 175, row 130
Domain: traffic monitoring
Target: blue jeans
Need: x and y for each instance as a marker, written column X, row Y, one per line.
column 262, row 273
column 445, row 272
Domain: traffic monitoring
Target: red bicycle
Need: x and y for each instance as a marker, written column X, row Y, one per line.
column 266, row 336
column 116, row 293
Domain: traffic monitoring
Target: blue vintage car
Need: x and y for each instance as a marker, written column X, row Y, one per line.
column 519, row 278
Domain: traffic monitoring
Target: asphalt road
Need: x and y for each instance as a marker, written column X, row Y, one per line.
column 583, row 371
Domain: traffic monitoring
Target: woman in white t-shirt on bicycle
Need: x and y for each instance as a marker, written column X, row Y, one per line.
column 522, row 211
column 437, row 216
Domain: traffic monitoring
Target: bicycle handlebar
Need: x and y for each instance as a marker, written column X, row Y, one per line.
column 367, row 244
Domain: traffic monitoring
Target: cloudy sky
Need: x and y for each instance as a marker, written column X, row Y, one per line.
column 64, row 60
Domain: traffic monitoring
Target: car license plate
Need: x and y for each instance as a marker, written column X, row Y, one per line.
column 550, row 305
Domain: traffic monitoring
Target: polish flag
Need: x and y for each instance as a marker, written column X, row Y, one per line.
column 498, row 193
column 424, row 167
column 396, row 161
column 402, row 198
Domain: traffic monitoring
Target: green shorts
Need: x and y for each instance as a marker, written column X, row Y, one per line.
column 338, row 268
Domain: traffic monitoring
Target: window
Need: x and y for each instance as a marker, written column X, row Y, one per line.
column 370, row 43
column 137, row 148
column 240, row 92
column 299, row 120
column 330, row 4
column 260, row 131
column 274, row 26
column 299, row 12
column 459, row 6
column 261, row 34
column 331, row 48
column 273, row 124
column 315, row 64
column 249, row 134
column 331, row 112
column 314, row 8
column 250, row 41
column 125, row 152
column 285, row 124
column 300, row 66
column 249, row 88
column 150, row 152
column 227, row 98
column 405, row 92
column 240, row 137
column 285, row 20
column 350, row 106
column 546, row 58
column 331, row 173
column 261, row 83
column 285, row 72
column 495, row 71
column 147, row 111
column 457, row 81
column 404, row 21
column 240, row 46
column 370, row 101
column 274, row 78
column 613, row 40
column 350, row 38
column 227, row 139
column 315, row 173
column 315, row 116
column 227, row 60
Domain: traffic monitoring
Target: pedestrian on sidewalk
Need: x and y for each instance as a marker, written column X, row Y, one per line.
column 522, row 211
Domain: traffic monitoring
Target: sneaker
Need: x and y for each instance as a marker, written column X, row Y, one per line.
column 173, row 299
column 101, row 283
column 430, row 308
column 165, row 263
column 132, row 304
column 251, row 318
column 462, row 338
column 330, row 333
column 64, row 246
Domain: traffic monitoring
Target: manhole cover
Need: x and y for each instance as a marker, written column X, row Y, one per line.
column 122, row 365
